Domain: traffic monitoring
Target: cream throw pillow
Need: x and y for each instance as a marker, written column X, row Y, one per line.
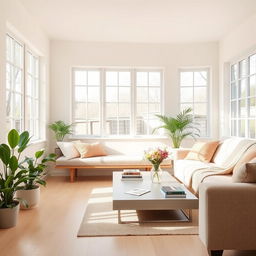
column 202, row 151
column 90, row 150
column 246, row 173
column 68, row 149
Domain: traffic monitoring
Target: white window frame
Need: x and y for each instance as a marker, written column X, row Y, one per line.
column 208, row 103
column 24, row 84
column 32, row 98
column 103, row 71
column 238, row 118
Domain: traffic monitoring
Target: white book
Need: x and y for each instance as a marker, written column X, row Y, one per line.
column 138, row 191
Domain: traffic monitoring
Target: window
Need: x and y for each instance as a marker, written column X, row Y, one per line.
column 117, row 102
column 22, row 88
column 243, row 97
column 14, row 84
column 194, row 86
column 148, row 104
column 32, row 95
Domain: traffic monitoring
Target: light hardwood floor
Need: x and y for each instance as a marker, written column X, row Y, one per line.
column 51, row 229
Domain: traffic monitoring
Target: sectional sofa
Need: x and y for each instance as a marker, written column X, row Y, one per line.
column 227, row 209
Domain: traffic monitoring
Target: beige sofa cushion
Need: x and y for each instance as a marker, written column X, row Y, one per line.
column 68, row 149
column 90, row 149
column 202, row 151
column 246, row 173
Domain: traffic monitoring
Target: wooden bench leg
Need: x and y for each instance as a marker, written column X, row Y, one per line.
column 76, row 171
column 72, row 174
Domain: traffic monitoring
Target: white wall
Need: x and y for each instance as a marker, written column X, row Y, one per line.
column 234, row 46
column 65, row 54
column 15, row 18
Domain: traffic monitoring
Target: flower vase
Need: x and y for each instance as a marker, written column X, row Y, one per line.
column 156, row 174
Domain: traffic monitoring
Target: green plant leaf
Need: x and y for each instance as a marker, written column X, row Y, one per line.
column 24, row 140
column 38, row 154
column 5, row 154
column 13, row 163
column 13, row 138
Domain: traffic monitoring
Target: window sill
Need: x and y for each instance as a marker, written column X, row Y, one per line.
column 36, row 142
column 119, row 138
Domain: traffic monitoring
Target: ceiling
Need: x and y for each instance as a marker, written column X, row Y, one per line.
column 151, row 21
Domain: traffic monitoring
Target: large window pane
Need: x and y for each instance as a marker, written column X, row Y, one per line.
column 234, row 72
column 243, row 66
column 241, row 128
column 194, row 95
column 124, row 94
column 142, row 94
column 186, row 94
column 200, row 94
column 252, row 107
column 112, row 78
column 252, row 64
column 186, row 78
column 234, row 90
column 200, row 78
column 80, row 77
column 252, row 85
column 154, row 79
column 93, row 78
column 124, row 78
column 243, row 88
column 252, row 129
column 142, row 78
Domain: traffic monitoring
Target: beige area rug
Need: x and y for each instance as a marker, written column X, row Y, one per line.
column 100, row 220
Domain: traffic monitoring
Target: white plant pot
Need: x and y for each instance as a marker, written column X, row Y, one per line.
column 30, row 196
column 9, row 216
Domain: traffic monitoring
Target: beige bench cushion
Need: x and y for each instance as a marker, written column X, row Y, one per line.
column 106, row 160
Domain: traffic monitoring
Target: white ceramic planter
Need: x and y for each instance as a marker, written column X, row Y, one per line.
column 31, row 197
column 9, row 216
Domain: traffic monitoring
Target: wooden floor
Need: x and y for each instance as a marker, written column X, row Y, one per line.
column 51, row 229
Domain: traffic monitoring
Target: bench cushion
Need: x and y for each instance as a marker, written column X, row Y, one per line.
column 106, row 160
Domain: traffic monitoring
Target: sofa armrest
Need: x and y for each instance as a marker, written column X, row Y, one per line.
column 180, row 153
column 227, row 216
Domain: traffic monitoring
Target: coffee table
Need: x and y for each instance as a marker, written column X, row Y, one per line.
column 154, row 200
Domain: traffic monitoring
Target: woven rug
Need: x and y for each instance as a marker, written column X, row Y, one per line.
column 100, row 220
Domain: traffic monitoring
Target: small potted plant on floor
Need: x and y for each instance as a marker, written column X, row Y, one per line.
column 11, row 177
column 35, row 172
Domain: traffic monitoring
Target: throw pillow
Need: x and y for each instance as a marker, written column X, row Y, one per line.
column 90, row 150
column 68, row 149
column 246, row 173
column 202, row 151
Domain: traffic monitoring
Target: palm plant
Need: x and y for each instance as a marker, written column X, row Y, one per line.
column 60, row 129
column 180, row 127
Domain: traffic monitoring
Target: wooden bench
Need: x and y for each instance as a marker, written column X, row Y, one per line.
column 73, row 169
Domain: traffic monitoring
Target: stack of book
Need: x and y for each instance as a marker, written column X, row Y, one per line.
column 173, row 192
column 130, row 174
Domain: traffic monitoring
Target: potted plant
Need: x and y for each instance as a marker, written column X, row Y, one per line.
column 180, row 127
column 61, row 129
column 35, row 171
column 11, row 177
